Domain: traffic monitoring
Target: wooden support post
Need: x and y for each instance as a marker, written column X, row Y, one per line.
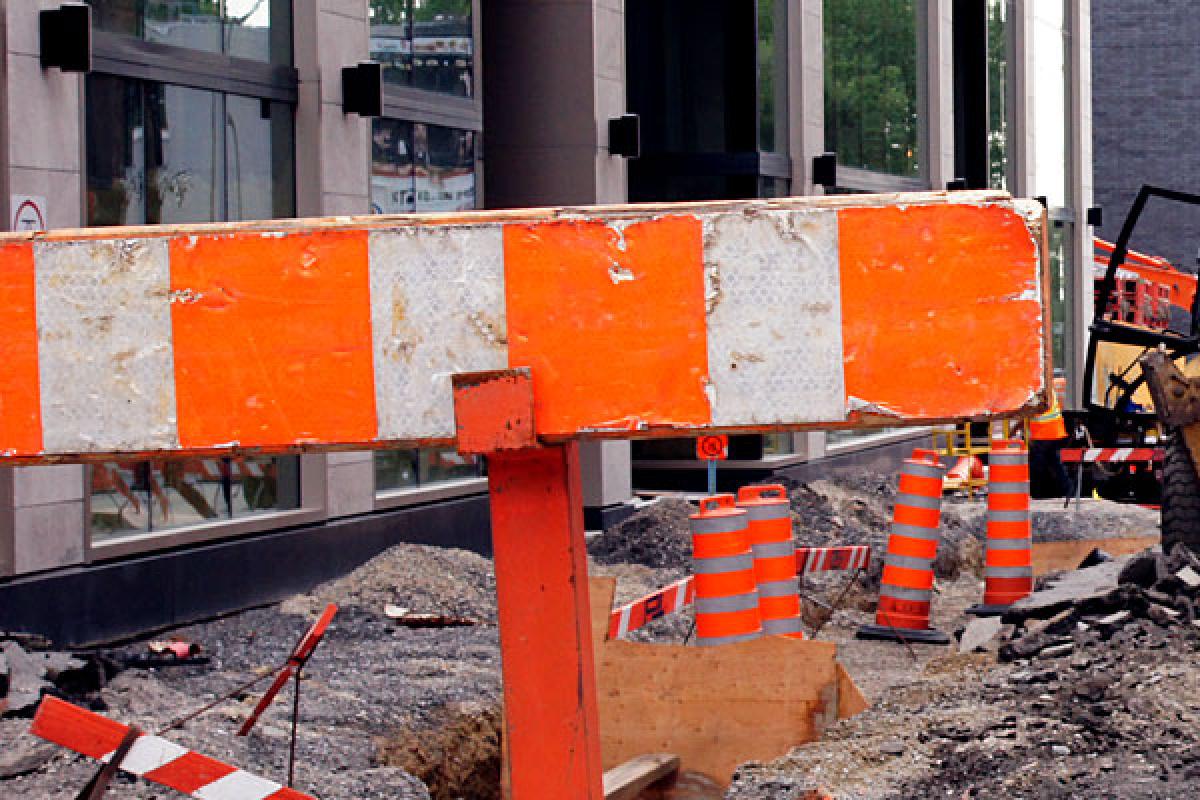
column 551, row 722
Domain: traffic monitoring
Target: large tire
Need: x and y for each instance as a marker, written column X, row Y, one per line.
column 1180, row 498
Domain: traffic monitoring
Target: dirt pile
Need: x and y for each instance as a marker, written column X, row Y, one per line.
column 457, row 758
column 422, row 579
column 656, row 536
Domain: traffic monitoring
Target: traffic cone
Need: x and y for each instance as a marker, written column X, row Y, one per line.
column 1008, row 559
column 769, row 530
column 726, row 593
column 906, row 589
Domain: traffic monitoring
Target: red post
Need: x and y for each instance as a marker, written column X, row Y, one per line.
column 552, row 725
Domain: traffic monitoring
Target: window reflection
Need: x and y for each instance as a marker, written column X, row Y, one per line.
column 253, row 29
column 417, row 167
column 160, row 153
column 425, row 44
column 415, row 468
column 129, row 497
column 871, row 84
column 998, row 93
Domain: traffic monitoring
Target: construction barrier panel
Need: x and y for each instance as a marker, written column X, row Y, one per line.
column 302, row 334
column 152, row 757
column 1008, row 556
column 906, row 588
column 723, row 567
column 769, row 530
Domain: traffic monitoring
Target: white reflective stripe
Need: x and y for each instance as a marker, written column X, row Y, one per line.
column 149, row 753
column 681, row 593
column 623, row 622
column 238, row 785
column 776, row 282
column 104, row 323
column 417, row 276
column 1092, row 454
column 1122, row 454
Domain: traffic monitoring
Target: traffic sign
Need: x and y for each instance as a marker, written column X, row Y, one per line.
column 712, row 448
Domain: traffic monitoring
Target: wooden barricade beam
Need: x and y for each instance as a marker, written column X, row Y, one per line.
column 624, row 321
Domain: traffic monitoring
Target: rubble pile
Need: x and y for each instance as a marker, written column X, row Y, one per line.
column 657, row 536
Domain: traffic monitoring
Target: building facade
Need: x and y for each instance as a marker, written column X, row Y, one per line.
column 213, row 110
column 1146, row 57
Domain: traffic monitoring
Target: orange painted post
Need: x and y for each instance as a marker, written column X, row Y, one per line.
column 551, row 720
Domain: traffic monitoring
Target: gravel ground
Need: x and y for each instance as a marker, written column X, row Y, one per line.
column 389, row 711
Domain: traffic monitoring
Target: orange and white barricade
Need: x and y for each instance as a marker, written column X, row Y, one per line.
column 906, row 589
column 152, row 757
column 726, row 591
column 769, row 530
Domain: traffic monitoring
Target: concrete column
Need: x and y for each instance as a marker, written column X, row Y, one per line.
column 333, row 177
column 806, row 92
column 332, row 155
column 1021, row 148
column 939, row 77
column 42, row 509
column 547, row 103
column 1082, row 187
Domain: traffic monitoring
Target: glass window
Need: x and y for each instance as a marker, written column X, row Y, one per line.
column 418, row 167
column 253, row 29
column 425, row 44
column 156, row 154
column 130, row 497
column 161, row 153
column 998, row 93
column 412, row 469
column 871, row 85
column 1062, row 294
column 772, row 76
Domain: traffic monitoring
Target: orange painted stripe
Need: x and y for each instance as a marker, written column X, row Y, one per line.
column 20, row 384
column 783, row 607
column 724, row 584
column 272, row 339
column 913, row 548
column 1009, row 530
column 728, row 623
column 716, row 545
column 769, row 570
column 912, row 279
column 908, row 578
column 1009, row 558
column 921, row 517
column 769, row 531
column 189, row 772
column 1008, row 502
column 644, row 361
column 920, row 485
column 1008, row 473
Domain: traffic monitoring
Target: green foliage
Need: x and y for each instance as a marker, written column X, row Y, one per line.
column 871, row 84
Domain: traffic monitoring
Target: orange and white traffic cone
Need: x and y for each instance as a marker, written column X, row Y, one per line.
column 906, row 589
column 769, row 531
column 1008, row 559
column 726, row 592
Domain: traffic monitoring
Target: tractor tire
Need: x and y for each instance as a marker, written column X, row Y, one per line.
column 1180, row 498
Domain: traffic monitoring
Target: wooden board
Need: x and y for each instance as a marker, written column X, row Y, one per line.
column 1055, row 556
column 627, row 781
column 715, row 707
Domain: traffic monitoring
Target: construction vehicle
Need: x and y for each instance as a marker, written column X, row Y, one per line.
column 1138, row 394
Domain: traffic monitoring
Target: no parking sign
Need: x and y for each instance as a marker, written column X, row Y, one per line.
column 712, row 448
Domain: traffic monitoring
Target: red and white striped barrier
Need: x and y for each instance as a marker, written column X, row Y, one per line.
column 671, row 599
column 654, row 605
column 832, row 559
column 152, row 757
column 1111, row 455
